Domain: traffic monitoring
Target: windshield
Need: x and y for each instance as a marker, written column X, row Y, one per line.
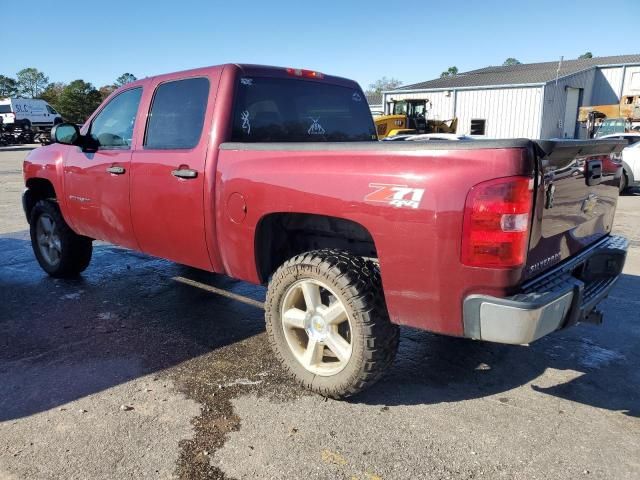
column 291, row 110
column 607, row 127
column 6, row 108
column 400, row 108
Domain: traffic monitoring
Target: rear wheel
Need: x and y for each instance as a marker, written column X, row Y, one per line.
column 59, row 250
column 328, row 324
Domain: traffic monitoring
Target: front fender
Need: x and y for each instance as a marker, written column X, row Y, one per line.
column 47, row 163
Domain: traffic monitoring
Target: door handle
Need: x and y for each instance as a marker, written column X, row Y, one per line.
column 116, row 170
column 184, row 173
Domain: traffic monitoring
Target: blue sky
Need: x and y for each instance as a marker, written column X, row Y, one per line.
column 99, row 40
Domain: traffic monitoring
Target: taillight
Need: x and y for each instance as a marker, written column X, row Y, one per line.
column 496, row 223
column 299, row 72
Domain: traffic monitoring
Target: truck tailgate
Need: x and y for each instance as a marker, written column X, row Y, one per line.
column 575, row 198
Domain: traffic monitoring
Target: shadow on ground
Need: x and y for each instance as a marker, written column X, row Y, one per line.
column 126, row 317
column 603, row 362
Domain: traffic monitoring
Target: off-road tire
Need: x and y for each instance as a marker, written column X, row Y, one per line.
column 374, row 338
column 76, row 250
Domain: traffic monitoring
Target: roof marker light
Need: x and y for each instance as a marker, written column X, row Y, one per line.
column 299, row 72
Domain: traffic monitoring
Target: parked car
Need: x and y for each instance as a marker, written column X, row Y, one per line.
column 28, row 114
column 630, row 159
column 631, row 162
column 275, row 176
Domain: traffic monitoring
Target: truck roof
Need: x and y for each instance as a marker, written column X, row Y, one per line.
column 248, row 69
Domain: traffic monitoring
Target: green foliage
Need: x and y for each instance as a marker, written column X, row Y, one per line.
column 77, row 101
column 31, row 82
column 451, row 72
column 52, row 92
column 383, row 84
column 124, row 79
column 511, row 61
column 106, row 90
column 8, row 87
column 585, row 56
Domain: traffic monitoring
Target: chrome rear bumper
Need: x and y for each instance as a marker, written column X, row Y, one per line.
column 561, row 297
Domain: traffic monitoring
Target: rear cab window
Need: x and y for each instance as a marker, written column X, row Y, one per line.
column 269, row 109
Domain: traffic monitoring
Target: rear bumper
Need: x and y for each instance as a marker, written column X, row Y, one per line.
column 561, row 297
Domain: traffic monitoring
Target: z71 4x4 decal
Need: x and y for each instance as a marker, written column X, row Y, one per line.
column 395, row 195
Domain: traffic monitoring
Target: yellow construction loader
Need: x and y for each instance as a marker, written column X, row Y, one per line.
column 408, row 117
column 615, row 118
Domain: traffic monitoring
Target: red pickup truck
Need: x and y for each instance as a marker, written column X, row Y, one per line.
column 275, row 176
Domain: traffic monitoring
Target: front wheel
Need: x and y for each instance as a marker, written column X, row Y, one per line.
column 328, row 323
column 59, row 250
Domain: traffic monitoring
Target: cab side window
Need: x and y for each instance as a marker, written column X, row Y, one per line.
column 51, row 110
column 113, row 126
column 177, row 114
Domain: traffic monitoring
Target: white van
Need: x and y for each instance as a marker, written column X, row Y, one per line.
column 28, row 113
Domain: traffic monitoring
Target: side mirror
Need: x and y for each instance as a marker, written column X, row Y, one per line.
column 69, row 134
column 65, row 133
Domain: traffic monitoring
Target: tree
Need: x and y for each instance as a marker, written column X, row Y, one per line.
column 31, row 82
column 106, row 90
column 78, row 100
column 383, row 84
column 511, row 61
column 8, row 86
column 124, row 79
column 585, row 56
column 52, row 93
column 451, row 72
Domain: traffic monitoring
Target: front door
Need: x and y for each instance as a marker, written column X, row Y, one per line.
column 97, row 184
column 167, row 179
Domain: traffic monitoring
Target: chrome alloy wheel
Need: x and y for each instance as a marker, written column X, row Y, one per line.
column 316, row 327
column 49, row 242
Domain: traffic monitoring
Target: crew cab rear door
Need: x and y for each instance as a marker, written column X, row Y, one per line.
column 578, row 182
column 96, row 184
column 168, row 170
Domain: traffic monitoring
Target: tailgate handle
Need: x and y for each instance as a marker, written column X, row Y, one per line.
column 594, row 172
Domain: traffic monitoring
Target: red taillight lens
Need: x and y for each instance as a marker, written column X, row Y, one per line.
column 299, row 72
column 496, row 223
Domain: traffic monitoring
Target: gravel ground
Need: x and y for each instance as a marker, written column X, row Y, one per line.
column 128, row 372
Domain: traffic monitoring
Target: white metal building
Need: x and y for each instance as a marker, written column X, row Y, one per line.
column 375, row 102
column 536, row 100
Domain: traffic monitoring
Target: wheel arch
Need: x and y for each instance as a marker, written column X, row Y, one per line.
column 37, row 189
column 280, row 236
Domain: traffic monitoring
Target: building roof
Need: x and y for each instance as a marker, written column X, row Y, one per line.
column 526, row 73
column 374, row 98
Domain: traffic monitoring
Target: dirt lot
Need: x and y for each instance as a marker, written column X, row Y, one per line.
column 129, row 372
